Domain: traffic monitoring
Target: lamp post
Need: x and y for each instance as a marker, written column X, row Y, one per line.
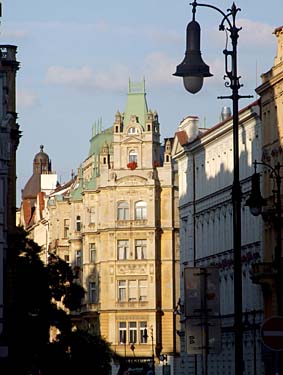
column 152, row 346
column 193, row 69
column 255, row 202
column 152, row 349
column 252, row 327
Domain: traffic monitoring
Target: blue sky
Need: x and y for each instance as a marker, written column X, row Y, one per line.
column 76, row 59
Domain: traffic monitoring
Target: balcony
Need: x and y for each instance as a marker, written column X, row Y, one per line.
column 131, row 305
column 262, row 273
column 90, row 308
column 131, row 223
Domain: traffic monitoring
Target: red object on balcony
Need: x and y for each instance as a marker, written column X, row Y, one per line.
column 132, row 165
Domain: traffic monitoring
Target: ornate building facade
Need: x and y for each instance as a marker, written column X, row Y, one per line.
column 205, row 165
column 117, row 224
column 269, row 273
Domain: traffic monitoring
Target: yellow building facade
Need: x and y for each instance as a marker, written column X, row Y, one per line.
column 117, row 224
column 271, row 94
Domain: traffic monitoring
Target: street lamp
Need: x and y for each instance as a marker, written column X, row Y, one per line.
column 152, row 346
column 192, row 69
column 255, row 202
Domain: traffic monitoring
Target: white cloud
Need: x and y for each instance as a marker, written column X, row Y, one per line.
column 74, row 77
column 159, row 69
column 85, row 77
column 27, row 98
column 113, row 79
column 255, row 34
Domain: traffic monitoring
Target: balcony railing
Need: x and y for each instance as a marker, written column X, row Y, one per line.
column 131, row 223
column 131, row 305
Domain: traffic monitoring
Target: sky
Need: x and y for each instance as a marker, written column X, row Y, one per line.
column 76, row 59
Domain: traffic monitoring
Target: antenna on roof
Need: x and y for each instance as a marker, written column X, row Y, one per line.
column 94, row 129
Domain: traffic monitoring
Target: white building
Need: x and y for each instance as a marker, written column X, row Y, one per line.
column 205, row 164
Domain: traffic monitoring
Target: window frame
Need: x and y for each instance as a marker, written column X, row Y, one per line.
column 122, row 331
column 123, row 210
column 140, row 210
column 133, row 332
column 133, row 156
column 123, row 249
column 78, row 223
column 92, row 252
column 140, row 249
column 92, row 292
column 122, row 290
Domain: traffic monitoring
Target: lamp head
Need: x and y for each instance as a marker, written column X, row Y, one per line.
column 192, row 68
column 255, row 202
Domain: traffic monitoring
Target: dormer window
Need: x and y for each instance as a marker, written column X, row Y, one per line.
column 133, row 130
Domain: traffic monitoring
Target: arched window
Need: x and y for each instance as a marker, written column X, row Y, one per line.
column 133, row 156
column 140, row 210
column 123, row 210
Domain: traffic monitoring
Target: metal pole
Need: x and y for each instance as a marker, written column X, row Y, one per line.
column 152, row 351
column 254, row 341
column 204, row 321
column 236, row 187
column 278, row 256
column 236, row 199
column 278, row 249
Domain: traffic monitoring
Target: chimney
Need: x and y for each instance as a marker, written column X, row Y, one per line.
column 225, row 113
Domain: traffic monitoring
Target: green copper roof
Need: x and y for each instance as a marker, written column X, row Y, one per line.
column 99, row 138
column 136, row 103
column 76, row 193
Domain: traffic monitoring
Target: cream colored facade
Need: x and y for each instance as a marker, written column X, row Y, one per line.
column 117, row 224
column 205, row 166
column 271, row 94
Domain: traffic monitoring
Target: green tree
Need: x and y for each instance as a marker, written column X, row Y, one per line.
column 39, row 289
column 31, row 304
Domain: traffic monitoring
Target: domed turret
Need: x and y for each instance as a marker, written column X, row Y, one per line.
column 41, row 165
column 41, row 162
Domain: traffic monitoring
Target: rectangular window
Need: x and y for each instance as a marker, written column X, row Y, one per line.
column 140, row 249
column 92, row 215
column 122, row 292
column 132, row 332
column 92, row 252
column 78, row 258
column 92, row 292
column 132, row 290
column 123, row 211
column 123, row 249
column 66, row 228
column 143, row 290
column 122, row 332
column 78, row 223
column 143, row 332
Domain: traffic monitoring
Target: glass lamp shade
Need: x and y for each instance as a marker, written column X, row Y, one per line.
column 255, row 202
column 255, row 210
column 193, row 69
column 193, row 84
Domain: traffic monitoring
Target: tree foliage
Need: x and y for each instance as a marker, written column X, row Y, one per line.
column 44, row 297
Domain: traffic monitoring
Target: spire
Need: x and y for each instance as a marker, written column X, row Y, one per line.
column 136, row 103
